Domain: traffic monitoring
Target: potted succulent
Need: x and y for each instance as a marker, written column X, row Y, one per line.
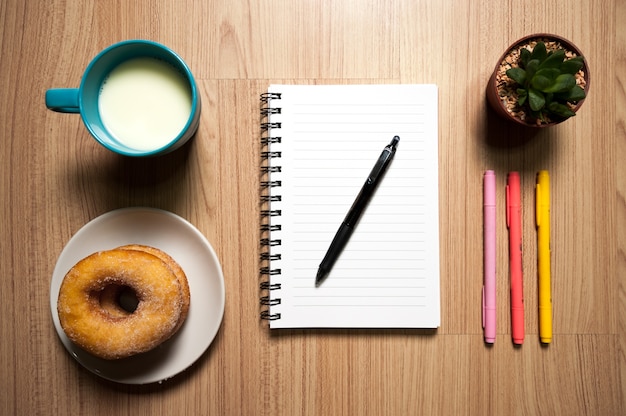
column 541, row 80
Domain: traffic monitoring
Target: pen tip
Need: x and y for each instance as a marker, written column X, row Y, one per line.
column 321, row 274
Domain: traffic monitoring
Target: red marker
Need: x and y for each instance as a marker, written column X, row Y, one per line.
column 514, row 222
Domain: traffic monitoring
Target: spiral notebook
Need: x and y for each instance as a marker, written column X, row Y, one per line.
column 320, row 142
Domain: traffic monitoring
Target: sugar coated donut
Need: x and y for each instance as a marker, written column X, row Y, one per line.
column 178, row 271
column 94, row 317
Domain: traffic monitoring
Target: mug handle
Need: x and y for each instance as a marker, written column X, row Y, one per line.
column 63, row 100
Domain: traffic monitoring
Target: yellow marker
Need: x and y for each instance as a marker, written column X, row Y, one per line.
column 542, row 197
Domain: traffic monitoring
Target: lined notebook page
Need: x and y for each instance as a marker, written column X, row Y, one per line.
column 331, row 136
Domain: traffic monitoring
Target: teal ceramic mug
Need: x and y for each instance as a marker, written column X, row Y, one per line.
column 136, row 98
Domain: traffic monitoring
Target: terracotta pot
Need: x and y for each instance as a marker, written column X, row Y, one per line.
column 492, row 89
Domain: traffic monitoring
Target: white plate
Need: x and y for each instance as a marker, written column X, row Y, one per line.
column 182, row 241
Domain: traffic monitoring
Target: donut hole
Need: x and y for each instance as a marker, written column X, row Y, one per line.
column 118, row 299
column 128, row 299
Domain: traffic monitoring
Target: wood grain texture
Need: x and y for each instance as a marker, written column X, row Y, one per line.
column 55, row 178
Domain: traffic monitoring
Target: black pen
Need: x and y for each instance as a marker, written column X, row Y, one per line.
column 347, row 226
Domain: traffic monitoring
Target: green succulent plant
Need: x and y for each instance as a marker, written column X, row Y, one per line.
column 546, row 82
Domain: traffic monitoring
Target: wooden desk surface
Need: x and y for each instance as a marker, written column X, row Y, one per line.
column 55, row 179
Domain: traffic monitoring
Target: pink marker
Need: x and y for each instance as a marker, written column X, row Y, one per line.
column 489, row 256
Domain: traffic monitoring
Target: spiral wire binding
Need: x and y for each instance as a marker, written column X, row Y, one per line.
column 268, row 195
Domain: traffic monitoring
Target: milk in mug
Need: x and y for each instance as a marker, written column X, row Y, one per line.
column 145, row 103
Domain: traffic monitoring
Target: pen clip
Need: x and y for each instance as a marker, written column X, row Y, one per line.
column 538, row 204
column 484, row 312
